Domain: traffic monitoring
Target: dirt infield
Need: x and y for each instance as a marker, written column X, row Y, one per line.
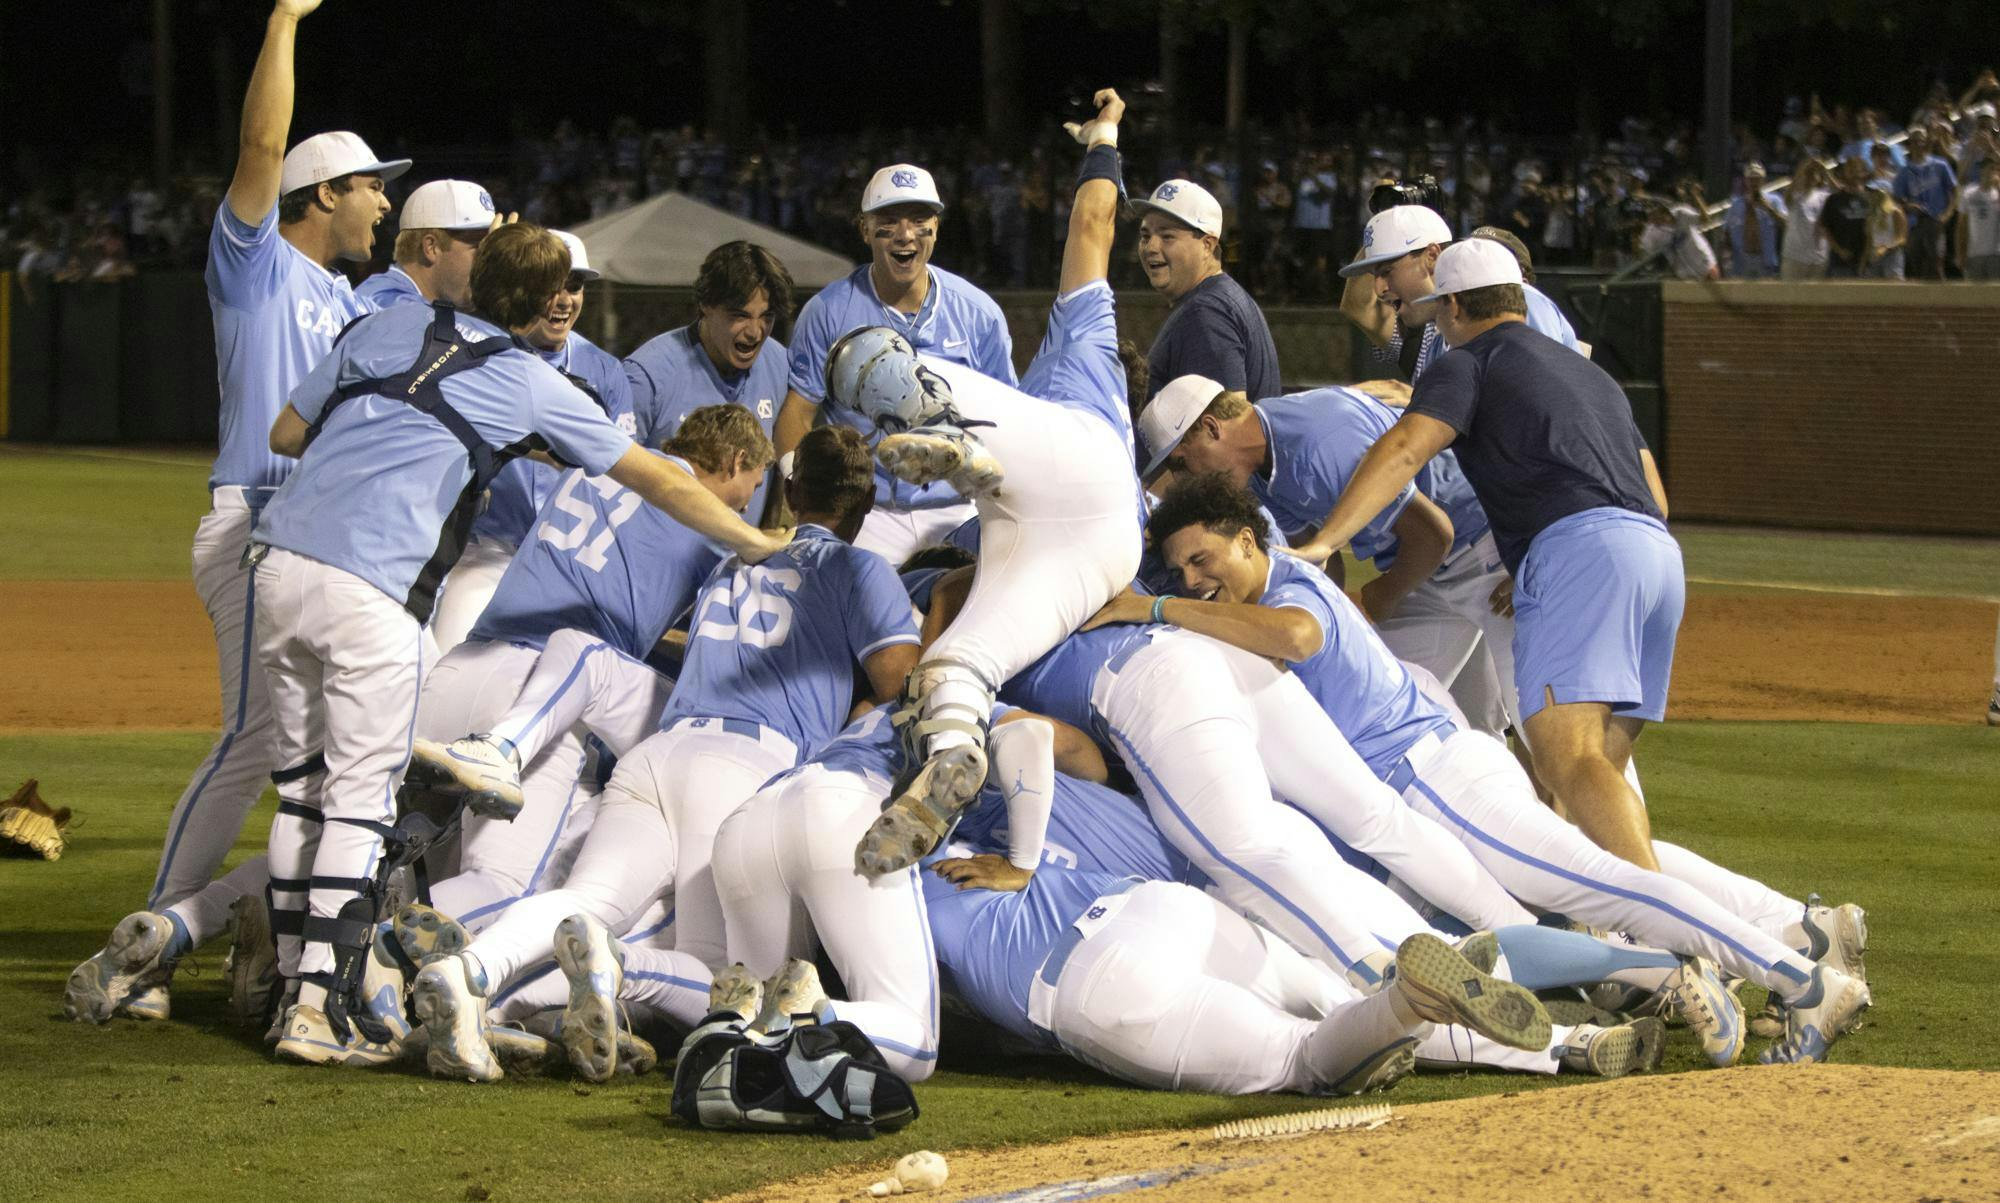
column 1808, row 1133
column 97, row 655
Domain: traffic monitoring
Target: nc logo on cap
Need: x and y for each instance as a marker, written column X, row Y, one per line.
column 903, row 179
column 1167, row 191
column 485, row 200
column 1368, row 238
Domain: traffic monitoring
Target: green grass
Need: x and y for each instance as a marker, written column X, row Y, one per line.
column 1901, row 819
column 99, row 515
column 1913, row 563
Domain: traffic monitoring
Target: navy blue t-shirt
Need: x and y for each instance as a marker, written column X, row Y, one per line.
column 1543, row 433
column 1216, row 331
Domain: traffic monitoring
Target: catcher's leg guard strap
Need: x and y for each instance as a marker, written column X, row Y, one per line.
column 315, row 763
column 949, row 706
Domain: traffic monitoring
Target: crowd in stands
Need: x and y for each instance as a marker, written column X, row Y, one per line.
column 1919, row 200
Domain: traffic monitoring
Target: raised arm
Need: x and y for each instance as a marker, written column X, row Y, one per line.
column 694, row 507
column 267, row 117
column 1389, row 465
column 1093, row 217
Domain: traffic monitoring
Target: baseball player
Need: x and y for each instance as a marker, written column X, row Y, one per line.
column 400, row 431
column 441, row 227
column 1284, row 608
column 931, row 309
column 727, row 356
column 506, row 521
column 1050, row 467
column 570, row 625
column 1434, row 600
column 770, row 673
column 278, row 303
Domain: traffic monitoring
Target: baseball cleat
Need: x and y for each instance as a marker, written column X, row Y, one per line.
column 1443, row 987
column 1482, row 948
column 523, row 1052
column 791, row 996
column 383, row 984
column 1993, row 708
column 425, row 933
column 287, row 998
column 1769, row 1023
column 933, row 453
column 735, row 991
column 1381, row 1071
column 1837, row 936
column 922, row 811
column 1830, row 1009
column 251, row 967
column 595, row 969
column 1613, row 1052
column 1710, row 1011
column 128, row 976
column 310, row 1038
column 454, row 1017
column 479, row 768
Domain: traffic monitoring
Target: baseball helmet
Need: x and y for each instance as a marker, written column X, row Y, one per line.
column 875, row 371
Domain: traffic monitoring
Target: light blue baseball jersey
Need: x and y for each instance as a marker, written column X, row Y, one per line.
column 1059, row 683
column 276, row 315
column 1077, row 365
column 600, row 560
column 524, row 486
column 1318, row 439
column 957, row 322
column 671, row 376
column 392, row 287
column 1091, row 827
column 777, row 643
column 991, row 944
column 1354, row 676
column 372, row 493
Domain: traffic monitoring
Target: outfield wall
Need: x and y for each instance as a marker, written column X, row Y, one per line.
column 1834, row 405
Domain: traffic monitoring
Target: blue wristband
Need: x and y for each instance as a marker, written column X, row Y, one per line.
column 1160, row 609
column 1101, row 163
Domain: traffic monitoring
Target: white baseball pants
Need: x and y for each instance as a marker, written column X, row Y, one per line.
column 896, row 535
column 1471, row 784
column 345, row 663
column 466, row 589
column 654, row 833
column 784, row 866
column 581, row 681
column 1448, row 626
column 225, row 787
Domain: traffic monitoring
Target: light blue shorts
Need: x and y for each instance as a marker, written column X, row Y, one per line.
column 1597, row 605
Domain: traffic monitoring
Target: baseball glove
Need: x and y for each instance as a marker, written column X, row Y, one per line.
column 29, row 827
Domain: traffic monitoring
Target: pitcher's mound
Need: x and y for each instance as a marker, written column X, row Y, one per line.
column 1808, row 1133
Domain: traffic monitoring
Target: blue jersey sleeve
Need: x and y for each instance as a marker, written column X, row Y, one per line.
column 1332, row 458
column 1298, row 595
column 243, row 260
column 642, row 393
column 577, row 431
column 310, row 394
column 880, row 615
column 1078, row 359
column 812, row 338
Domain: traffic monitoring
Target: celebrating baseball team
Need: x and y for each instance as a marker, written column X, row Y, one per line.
column 609, row 702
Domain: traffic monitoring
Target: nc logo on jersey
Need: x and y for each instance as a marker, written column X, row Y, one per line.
column 1096, row 912
column 764, row 408
column 903, row 179
column 1166, row 192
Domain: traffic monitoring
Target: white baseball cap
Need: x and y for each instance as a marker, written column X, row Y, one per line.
column 579, row 258
column 1474, row 263
column 331, row 155
column 1394, row 233
column 1166, row 419
column 1188, row 203
column 448, row 205
column 900, row 184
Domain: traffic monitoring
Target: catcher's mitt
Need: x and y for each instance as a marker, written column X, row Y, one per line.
column 29, row 827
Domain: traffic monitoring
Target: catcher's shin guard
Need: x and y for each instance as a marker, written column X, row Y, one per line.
column 945, row 704
column 351, row 932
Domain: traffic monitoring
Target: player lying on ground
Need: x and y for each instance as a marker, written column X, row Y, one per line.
column 1278, row 606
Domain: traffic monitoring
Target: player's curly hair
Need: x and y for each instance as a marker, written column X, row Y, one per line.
column 1209, row 500
column 519, row 268
column 711, row 437
column 833, row 472
column 735, row 271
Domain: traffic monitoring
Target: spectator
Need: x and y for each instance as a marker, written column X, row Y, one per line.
column 1804, row 251
column 1756, row 222
column 1272, row 200
column 1843, row 221
column 1312, row 223
column 1868, row 136
column 1979, row 225
column 1213, row 328
column 1673, row 231
column 1928, row 190
column 1888, row 234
